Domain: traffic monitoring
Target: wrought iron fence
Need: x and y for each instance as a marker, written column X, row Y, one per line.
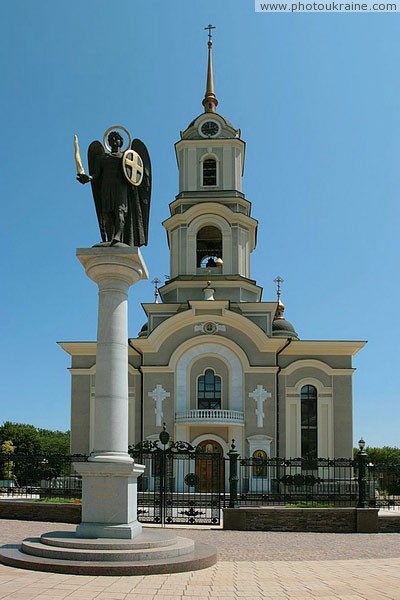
column 183, row 484
column 281, row 481
column 39, row 476
column 385, row 484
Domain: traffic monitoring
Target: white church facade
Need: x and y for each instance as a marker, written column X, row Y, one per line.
column 215, row 362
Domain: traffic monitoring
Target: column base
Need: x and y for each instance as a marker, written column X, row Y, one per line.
column 111, row 457
column 127, row 531
column 109, row 500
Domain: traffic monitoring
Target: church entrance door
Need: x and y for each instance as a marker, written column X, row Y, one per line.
column 210, row 479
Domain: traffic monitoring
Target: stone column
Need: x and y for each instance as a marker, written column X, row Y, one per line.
column 109, row 478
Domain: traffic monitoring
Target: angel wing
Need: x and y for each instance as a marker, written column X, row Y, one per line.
column 144, row 189
column 95, row 153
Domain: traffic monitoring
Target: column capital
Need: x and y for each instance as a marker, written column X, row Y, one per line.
column 123, row 263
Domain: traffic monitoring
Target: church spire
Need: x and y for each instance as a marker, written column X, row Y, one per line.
column 210, row 101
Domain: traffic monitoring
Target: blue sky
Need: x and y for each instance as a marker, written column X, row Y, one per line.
column 317, row 99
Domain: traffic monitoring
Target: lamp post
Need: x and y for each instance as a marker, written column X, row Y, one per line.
column 362, row 480
column 233, row 475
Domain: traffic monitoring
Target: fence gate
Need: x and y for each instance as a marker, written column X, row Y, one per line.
column 180, row 485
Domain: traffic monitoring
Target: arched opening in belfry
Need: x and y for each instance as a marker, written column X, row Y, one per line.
column 209, row 172
column 208, row 247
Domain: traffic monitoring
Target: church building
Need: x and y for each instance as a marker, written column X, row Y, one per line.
column 215, row 362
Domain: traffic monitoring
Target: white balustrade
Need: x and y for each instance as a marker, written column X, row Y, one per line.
column 211, row 414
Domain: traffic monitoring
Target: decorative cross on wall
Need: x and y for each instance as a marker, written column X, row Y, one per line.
column 159, row 395
column 260, row 395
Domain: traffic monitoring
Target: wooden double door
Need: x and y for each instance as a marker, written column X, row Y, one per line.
column 210, row 467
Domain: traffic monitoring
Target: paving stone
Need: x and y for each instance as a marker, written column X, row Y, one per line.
column 18, row 596
column 111, row 596
column 253, row 565
column 141, row 597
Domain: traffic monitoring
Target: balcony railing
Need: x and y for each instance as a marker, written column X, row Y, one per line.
column 211, row 415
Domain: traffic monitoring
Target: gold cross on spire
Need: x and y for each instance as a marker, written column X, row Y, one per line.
column 278, row 280
column 210, row 27
column 156, row 281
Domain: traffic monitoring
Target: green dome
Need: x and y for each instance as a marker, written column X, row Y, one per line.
column 144, row 331
column 283, row 328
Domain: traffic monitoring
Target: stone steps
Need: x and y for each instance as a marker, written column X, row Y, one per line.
column 153, row 551
column 35, row 547
column 149, row 538
column 201, row 557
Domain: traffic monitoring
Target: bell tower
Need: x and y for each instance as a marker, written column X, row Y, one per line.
column 211, row 233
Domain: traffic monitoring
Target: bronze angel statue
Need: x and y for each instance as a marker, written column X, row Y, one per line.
column 121, row 187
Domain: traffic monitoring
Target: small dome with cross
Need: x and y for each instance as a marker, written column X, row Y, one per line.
column 280, row 326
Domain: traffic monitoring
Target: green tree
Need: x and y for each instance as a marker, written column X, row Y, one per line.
column 384, row 468
column 28, row 439
column 39, row 453
column 7, row 465
column 385, row 455
column 25, row 438
column 54, row 442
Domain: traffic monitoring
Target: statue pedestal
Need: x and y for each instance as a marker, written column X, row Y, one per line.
column 109, row 479
column 109, row 500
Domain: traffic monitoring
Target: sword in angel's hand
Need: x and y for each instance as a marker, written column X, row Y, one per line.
column 81, row 175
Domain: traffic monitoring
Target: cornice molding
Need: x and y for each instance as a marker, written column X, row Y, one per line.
column 210, row 208
column 311, row 363
column 222, row 197
column 323, row 347
column 215, row 142
column 247, row 369
column 79, row 348
column 197, row 281
column 87, row 349
column 88, row 371
column 158, row 369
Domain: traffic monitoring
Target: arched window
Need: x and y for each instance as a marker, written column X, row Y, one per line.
column 209, row 171
column 209, row 246
column 209, row 390
column 309, row 430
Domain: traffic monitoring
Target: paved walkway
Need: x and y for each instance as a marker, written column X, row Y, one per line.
column 252, row 566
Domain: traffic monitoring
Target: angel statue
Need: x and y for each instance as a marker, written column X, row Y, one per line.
column 121, row 187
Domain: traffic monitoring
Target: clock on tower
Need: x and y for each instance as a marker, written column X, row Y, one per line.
column 209, row 128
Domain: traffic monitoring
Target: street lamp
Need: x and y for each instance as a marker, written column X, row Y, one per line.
column 362, row 475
